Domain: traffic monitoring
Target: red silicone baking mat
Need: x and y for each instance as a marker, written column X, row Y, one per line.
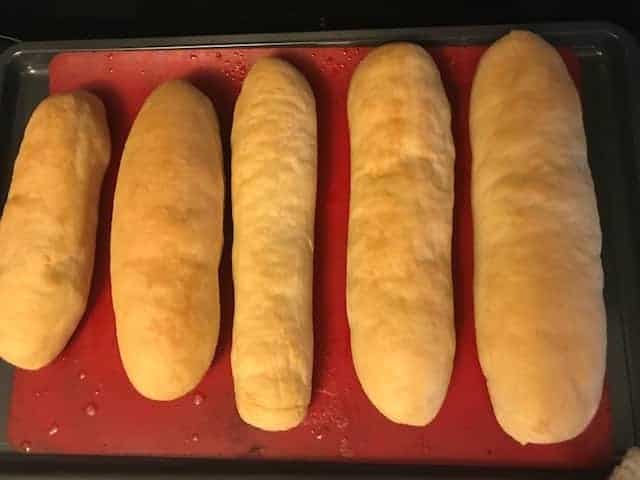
column 83, row 403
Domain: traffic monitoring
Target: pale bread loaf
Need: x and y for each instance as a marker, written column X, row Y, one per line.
column 539, row 310
column 48, row 227
column 166, row 242
column 399, row 285
column 274, row 154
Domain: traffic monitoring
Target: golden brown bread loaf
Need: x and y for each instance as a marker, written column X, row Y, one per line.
column 399, row 286
column 273, row 197
column 48, row 227
column 539, row 311
column 166, row 242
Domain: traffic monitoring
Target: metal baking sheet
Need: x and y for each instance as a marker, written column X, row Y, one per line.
column 608, row 59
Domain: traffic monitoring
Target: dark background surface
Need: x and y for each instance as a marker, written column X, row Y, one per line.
column 76, row 19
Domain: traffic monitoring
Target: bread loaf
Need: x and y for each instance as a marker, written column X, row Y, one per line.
column 166, row 242
column 274, row 154
column 48, row 227
column 399, row 286
column 539, row 310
